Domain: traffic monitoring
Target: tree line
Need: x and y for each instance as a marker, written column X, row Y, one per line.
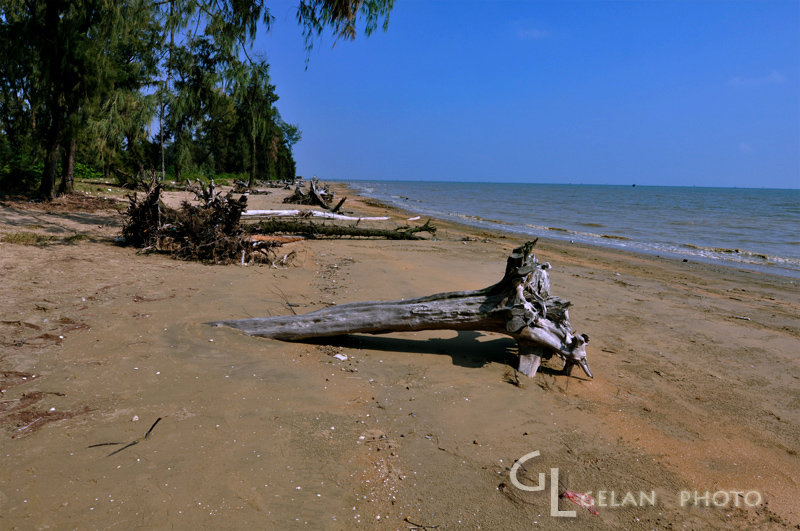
column 169, row 86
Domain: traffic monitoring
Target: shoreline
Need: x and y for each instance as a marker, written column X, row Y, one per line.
column 372, row 206
column 688, row 395
column 608, row 241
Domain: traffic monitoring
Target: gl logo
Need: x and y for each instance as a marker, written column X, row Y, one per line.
column 554, row 511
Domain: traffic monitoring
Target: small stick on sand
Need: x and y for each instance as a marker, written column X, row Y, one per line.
column 419, row 526
column 123, row 448
column 146, row 435
column 137, row 441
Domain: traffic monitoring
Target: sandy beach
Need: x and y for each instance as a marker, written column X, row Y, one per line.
column 694, row 409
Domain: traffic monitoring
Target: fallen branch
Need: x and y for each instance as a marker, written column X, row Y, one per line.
column 520, row 305
column 307, row 213
column 338, row 205
column 311, row 230
column 241, row 187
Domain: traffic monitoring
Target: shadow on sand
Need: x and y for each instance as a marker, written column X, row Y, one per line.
column 465, row 349
column 49, row 221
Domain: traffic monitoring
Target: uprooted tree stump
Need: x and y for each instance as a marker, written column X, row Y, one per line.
column 520, row 305
column 209, row 231
column 317, row 194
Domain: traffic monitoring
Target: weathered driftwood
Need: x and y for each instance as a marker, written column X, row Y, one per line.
column 317, row 195
column 321, row 196
column 338, row 206
column 520, row 305
column 312, row 230
column 307, row 213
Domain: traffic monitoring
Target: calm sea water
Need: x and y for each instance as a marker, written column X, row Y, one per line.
column 744, row 227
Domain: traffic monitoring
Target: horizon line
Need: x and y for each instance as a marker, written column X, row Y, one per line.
column 631, row 185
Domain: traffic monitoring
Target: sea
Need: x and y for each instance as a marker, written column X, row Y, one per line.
column 748, row 228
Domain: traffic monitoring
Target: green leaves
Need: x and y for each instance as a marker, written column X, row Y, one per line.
column 135, row 83
column 341, row 17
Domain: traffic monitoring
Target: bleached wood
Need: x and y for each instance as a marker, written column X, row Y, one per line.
column 520, row 306
column 312, row 213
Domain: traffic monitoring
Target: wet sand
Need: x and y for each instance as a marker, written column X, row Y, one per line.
column 696, row 388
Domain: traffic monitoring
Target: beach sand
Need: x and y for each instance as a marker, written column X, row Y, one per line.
column 696, row 390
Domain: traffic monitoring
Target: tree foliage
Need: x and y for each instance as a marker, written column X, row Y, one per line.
column 123, row 86
column 341, row 17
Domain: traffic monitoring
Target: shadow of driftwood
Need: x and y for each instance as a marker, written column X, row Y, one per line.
column 464, row 349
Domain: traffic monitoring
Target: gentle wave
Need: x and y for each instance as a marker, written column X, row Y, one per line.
column 742, row 227
column 577, row 233
column 478, row 218
column 742, row 255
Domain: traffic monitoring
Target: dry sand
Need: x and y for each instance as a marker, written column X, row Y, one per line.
column 696, row 389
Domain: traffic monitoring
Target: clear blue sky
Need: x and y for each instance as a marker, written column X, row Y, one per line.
column 647, row 92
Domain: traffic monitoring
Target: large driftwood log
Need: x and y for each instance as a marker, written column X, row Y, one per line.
column 307, row 213
column 520, row 305
column 312, row 230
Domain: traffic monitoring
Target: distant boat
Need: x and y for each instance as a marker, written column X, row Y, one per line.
column 633, row 185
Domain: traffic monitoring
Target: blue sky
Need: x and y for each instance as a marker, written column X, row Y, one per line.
column 649, row 92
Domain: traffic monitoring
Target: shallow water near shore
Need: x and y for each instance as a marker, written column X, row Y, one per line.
column 743, row 227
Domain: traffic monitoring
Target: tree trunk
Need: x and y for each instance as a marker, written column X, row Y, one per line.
column 161, row 133
column 67, row 185
column 520, row 306
column 136, row 155
column 52, row 73
column 165, row 87
column 47, row 187
column 176, row 148
column 252, row 182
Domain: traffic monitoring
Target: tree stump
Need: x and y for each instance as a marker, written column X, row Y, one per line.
column 520, row 306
